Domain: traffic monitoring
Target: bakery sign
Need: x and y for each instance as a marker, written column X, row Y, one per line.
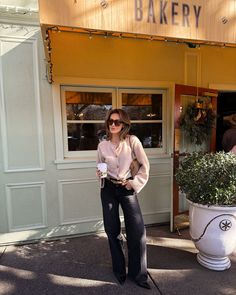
column 166, row 12
column 211, row 20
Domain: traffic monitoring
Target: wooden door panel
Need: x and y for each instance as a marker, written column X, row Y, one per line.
column 195, row 92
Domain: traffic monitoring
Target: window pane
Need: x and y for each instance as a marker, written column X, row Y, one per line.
column 85, row 136
column 150, row 134
column 143, row 106
column 87, row 105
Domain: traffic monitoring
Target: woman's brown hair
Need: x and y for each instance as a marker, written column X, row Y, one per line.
column 124, row 118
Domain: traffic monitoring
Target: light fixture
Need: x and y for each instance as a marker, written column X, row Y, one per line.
column 191, row 45
column 224, row 20
column 104, row 4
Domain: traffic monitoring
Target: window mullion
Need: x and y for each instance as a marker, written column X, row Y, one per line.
column 118, row 99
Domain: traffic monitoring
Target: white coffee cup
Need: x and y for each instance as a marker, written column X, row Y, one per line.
column 102, row 167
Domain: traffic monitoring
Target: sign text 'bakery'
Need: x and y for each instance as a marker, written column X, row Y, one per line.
column 167, row 13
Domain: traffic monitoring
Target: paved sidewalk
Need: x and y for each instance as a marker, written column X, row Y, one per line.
column 82, row 266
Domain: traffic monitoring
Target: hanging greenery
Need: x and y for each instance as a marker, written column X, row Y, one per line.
column 197, row 122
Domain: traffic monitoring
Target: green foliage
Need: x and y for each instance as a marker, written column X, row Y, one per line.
column 208, row 179
column 197, row 131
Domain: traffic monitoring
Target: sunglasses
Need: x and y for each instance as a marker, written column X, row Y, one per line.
column 116, row 122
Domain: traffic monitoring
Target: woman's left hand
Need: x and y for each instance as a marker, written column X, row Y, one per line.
column 127, row 185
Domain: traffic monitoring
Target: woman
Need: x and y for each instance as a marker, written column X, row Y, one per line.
column 229, row 137
column 120, row 189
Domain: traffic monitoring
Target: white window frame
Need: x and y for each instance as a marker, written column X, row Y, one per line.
column 87, row 159
column 80, row 154
column 149, row 151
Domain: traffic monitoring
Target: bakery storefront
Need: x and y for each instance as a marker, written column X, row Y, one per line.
column 152, row 58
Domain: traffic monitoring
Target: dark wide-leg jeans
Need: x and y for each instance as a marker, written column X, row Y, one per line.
column 113, row 195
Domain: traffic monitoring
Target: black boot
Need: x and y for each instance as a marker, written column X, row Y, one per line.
column 144, row 284
column 120, row 278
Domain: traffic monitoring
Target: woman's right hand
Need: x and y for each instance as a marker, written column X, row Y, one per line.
column 98, row 173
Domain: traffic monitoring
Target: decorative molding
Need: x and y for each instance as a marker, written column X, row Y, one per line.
column 76, row 164
column 81, row 220
column 223, row 87
column 17, row 10
column 117, row 83
column 72, row 230
column 61, row 183
column 91, row 162
column 57, row 122
column 160, row 175
column 12, row 13
column 33, row 42
column 9, row 187
column 163, row 211
column 18, row 30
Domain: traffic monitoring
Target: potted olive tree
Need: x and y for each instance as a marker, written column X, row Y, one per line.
column 209, row 182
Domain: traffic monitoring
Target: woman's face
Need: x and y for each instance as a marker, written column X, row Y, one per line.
column 115, row 124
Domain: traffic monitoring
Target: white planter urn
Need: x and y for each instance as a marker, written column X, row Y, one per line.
column 213, row 231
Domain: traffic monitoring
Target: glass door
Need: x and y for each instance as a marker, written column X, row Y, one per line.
column 192, row 104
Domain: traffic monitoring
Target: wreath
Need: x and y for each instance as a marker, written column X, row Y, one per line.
column 197, row 122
